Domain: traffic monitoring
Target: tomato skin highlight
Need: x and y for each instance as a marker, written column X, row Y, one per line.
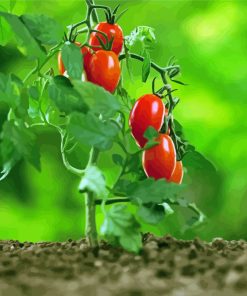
column 177, row 175
column 103, row 68
column 148, row 110
column 111, row 30
column 159, row 161
column 61, row 68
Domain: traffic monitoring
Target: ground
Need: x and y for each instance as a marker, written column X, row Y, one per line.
column 165, row 266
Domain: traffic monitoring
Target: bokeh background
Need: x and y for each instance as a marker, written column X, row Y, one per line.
column 209, row 39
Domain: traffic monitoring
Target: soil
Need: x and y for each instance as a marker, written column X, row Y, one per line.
column 165, row 266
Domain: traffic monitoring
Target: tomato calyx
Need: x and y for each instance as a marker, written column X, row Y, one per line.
column 104, row 41
column 111, row 16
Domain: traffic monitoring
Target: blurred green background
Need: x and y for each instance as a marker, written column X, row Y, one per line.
column 209, row 40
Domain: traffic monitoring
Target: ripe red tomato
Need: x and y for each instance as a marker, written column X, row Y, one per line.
column 160, row 161
column 148, row 110
column 112, row 31
column 177, row 175
column 61, row 68
column 103, row 68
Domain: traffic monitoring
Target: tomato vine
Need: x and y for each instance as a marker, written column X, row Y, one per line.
column 86, row 113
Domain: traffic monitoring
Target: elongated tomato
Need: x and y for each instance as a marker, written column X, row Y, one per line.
column 160, row 161
column 177, row 175
column 148, row 110
column 103, row 68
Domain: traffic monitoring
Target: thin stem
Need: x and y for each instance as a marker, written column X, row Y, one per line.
column 38, row 67
column 95, row 17
column 66, row 163
column 112, row 200
column 156, row 67
column 91, row 230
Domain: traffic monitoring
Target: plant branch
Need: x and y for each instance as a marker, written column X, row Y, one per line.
column 112, row 200
column 66, row 163
column 161, row 70
column 90, row 228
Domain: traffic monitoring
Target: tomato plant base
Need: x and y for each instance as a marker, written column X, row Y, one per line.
column 166, row 266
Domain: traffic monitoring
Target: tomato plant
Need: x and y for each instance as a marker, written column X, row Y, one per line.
column 94, row 114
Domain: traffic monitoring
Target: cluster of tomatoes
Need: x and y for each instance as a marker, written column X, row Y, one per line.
column 159, row 162
column 102, row 67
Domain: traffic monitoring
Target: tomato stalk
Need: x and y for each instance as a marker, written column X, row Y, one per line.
column 91, row 10
column 90, row 206
column 160, row 70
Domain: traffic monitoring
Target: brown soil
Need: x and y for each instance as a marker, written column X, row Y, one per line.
column 166, row 266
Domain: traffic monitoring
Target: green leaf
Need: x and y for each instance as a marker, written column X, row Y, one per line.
column 18, row 142
column 5, row 30
column 26, row 43
column 12, row 4
column 97, row 98
column 118, row 159
column 9, row 91
column 154, row 191
column 151, row 214
column 65, row 96
column 73, row 60
column 198, row 217
column 195, row 161
column 89, row 130
column 43, row 28
column 146, row 66
column 151, row 133
column 93, row 181
column 121, row 224
column 143, row 35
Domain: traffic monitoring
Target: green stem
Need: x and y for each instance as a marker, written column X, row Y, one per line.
column 112, row 200
column 161, row 70
column 38, row 67
column 90, row 228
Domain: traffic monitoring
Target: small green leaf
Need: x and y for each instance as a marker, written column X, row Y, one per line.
column 195, row 161
column 93, row 181
column 146, row 66
column 117, row 159
column 151, row 133
column 65, row 96
column 73, row 60
column 18, row 142
column 143, row 35
column 9, row 91
column 43, row 28
column 26, row 43
column 89, row 130
column 12, row 4
column 119, row 223
column 34, row 92
column 151, row 214
column 100, row 101
column 168, row 209
column 154, row 191
column 5, row 30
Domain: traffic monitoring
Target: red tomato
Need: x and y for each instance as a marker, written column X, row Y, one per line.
column 148, row 110
column 160, row 161
column 103, row 68
column 112, row 31
column 61, row 68
column 177, row 175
